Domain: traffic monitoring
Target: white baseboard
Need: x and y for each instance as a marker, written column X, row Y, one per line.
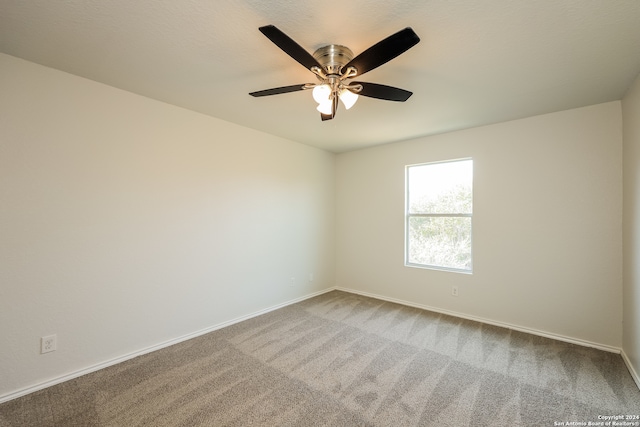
column 488, row 321
column 66, row 377
column 632, row 371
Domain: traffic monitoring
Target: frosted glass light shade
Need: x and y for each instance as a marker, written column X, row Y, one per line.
column 325, row 107
column 348, row 98
column 321, row 93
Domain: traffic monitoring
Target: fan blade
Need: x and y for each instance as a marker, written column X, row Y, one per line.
column 289, row 46
column 384, row 51
column 279, row 90
column 388, row 93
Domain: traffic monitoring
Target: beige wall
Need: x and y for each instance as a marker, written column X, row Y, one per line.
column 126, row 222
column 631, row 289
column 547, row 236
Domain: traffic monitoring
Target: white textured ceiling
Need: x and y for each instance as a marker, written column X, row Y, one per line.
column 478, row 62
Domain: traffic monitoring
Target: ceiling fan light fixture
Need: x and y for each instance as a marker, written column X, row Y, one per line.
column 348, row 98
column 321, row 93
column 325, row 107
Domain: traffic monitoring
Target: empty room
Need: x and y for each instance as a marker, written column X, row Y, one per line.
column 296, row 213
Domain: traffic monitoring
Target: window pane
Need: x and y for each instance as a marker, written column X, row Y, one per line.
column 441, row 187
column 440, row 241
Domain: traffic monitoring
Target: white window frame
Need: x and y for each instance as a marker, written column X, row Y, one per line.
column 409, row 215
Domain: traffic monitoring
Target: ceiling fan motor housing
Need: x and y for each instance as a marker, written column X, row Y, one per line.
column 333, row 57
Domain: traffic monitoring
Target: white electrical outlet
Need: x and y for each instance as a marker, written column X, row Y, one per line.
column 311, row 277
column 48, row 344
column 293, row 281
column 454, row 291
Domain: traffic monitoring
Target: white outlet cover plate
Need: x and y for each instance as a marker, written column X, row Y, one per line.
column 48, row 344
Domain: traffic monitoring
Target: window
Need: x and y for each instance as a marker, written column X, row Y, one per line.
column 439, row 210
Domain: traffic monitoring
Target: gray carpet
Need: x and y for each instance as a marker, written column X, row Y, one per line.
column 345, row 360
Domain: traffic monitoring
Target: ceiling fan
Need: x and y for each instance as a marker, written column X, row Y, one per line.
column 335, row 66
